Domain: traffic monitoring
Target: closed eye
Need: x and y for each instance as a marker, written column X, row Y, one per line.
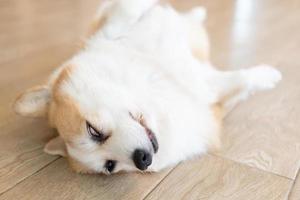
column 95, row 134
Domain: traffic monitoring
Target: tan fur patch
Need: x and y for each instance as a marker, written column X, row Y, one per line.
column 78, row 167
column 201, row 50
column 64, row 113
column 68, row 120
column 201, row 54
column 62, row 77
column 224, row 99
column 215, row 140
column 228, row 100
column 219, row 111
column 96, row 25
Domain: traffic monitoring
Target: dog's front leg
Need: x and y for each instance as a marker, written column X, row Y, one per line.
column 234, row 86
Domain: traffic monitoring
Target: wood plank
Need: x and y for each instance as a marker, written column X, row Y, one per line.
column 216, row 178
column 58, row 182
column 21, row 150
column 23, row 32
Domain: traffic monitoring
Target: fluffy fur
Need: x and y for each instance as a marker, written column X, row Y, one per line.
column 143, row 60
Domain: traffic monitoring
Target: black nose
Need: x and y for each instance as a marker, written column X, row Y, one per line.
column 142, row 159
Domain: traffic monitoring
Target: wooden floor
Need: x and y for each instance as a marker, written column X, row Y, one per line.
column 260, row 158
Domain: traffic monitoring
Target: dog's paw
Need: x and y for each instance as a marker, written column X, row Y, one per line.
column 262, row 77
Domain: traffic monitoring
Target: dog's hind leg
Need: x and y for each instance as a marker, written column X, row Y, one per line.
column 198, row 37
column 116, row 16
column 234, row 86
column 124, row 14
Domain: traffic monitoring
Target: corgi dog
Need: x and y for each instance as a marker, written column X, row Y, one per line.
column 141, row 95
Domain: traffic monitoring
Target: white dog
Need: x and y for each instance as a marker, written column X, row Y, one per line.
column 141, row 95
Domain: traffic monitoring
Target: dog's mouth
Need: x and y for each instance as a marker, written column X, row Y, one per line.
column 149, row 132
column 152, row 138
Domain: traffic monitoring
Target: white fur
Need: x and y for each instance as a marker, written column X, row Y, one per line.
column 142, row 62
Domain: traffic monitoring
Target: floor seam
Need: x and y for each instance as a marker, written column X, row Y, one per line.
column 2, row 193
column 293, row 185
column 152, row 190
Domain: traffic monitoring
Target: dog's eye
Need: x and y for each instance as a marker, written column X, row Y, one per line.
column 96, row 135
column 110, row 165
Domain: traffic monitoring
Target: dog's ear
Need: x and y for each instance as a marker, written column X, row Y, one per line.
column 33, row 102
column 56, row 146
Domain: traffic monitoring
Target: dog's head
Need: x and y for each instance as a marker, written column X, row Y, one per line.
column 101, row 128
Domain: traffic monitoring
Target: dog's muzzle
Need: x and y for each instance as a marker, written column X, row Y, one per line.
column 143, row 158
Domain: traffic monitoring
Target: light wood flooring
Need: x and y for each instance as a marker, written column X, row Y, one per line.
column 260, row 157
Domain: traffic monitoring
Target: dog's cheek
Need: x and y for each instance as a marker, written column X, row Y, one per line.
column 77, row 167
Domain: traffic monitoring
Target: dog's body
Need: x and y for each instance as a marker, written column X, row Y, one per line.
column 144, row 82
